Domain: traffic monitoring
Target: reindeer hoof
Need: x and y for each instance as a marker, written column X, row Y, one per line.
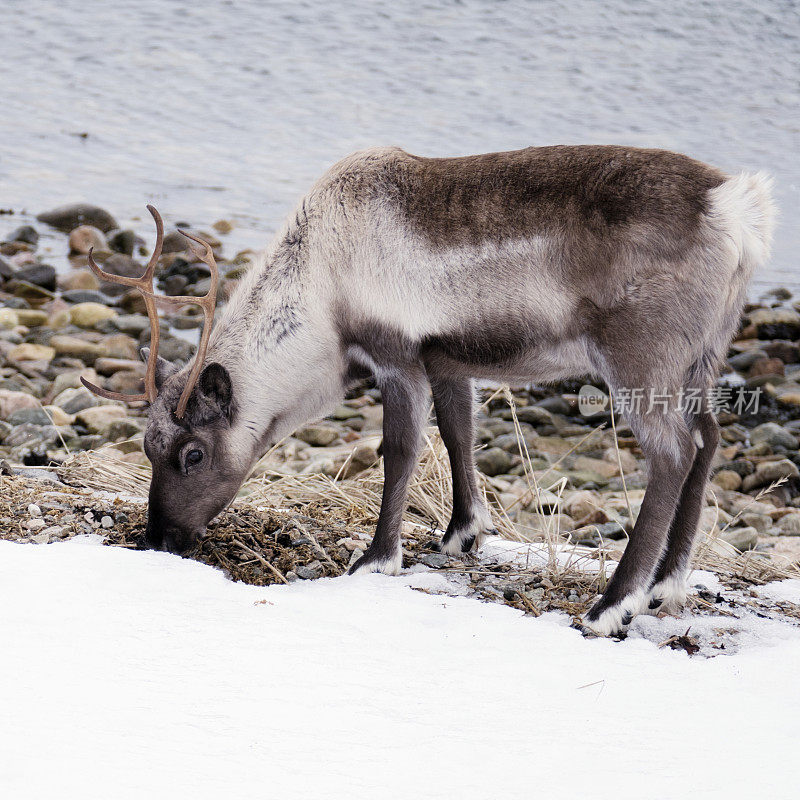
column 667, row 595
column 614, row 619
column 378, row 562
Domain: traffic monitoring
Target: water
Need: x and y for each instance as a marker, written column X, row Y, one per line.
column 232, row 109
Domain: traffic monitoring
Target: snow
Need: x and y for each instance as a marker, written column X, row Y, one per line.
column 132, row 674
column 787, row 591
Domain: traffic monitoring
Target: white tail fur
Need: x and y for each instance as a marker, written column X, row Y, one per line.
column 742, row 207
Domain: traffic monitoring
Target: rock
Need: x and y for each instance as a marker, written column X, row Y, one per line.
column 32, row 435
column 120, row 264
column 533, row 415
column 126, row 382
column 588, row 536
column 106, row 522
column 99, row 417
column 6, row 270
column 787, row 352
column 742, row 539
column 79, row 296
column 49, row 534
column 789, row 525
column 765, row 366
column 120, row 429
column 8, row 319
column 364, row 456
column 174, row 349
column 132, row 324
column 605, row 469
column 120, row 345
column 85, row 238
column 317, row 435
column 435, row 560
column 774, row 435
column 108, row 366
column 25, row 233
column 493, row 461
column 78, row 280
column 42, row 275
column 5, row 429
column 176, row 242
column 580, row 504
column 761, row 522
column 561, row 523
column 34, row 510
column 58, row 416
column 223, row 226
column 727, row 479
column 70, row 394
column 176, row 285
column 133, row 302
column 32, row 352
column 67, row 218
column 88, row 315
column 309, row 571
column 741, row 362
column 76, row 347
column 31, row 318
column 341, row 413
column 122, row 241
column 776, row 323
column 769, row 471
column 29, row 416
column 30, row 292
column 626, row 458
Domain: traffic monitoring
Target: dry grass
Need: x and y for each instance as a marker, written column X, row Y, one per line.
column 354, row 504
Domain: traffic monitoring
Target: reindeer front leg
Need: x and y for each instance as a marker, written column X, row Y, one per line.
column 405, row 400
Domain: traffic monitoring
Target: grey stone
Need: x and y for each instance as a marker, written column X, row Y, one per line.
column 309, row 571
column 42, row 275
column 789, row 525
column 493, row 461
column 122, row 241
column 85, row 296
column 74, row 400
column 769, row 471
column 31, row 434
column 742, row 539
column 25, row 233
column 132, row 324
column 32, row 416
column 774, row 435
column 435, row 560
column 318, row 435
column 68, row 217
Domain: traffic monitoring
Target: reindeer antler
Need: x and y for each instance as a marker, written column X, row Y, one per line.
column 208, row 303
column 145, row 286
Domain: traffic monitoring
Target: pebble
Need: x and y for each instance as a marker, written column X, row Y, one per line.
column 68, row 217
column 85, row 238
column 742, row 539
column 106, row 522
column 34, row 510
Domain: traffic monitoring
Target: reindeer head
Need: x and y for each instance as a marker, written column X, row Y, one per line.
column 197, row 468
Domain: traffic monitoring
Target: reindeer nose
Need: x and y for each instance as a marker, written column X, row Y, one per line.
column 168, row 538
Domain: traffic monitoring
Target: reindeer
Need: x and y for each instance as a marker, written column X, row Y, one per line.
column 540, row 264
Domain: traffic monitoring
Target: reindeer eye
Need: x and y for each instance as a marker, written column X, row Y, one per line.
column 194, row 457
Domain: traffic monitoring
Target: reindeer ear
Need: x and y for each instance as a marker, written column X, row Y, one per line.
column 215, row 383
column 164, row 368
